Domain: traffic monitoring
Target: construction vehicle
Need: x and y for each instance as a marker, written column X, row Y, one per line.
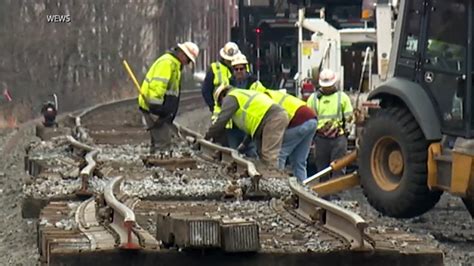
column 419, row 142
column 266, row 34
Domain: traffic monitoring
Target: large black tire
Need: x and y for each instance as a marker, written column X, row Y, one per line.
column 393, row 164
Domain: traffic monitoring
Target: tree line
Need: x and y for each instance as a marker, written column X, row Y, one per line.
column 81, row 60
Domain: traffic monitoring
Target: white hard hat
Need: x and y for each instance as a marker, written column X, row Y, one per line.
column 327, row 78
column 229, row 50
column 222, row 88
column 239, row 59
column 190, row 49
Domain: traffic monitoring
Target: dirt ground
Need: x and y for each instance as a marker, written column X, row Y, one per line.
column 448, row 222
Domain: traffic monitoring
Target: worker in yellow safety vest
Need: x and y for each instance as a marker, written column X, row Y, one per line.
column 242, row 79
column 255, row 114
column 334, row 110
column 160, row 91
column 218, row 73
column 299, row 134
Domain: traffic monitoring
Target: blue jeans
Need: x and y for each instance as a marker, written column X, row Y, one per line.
column 295, row 147
column 235, row 136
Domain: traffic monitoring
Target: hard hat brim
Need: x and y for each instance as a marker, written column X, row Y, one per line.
column 219, row 91
column 241, row 62
column 186, row 52
column 327, row 83
column 225, row 56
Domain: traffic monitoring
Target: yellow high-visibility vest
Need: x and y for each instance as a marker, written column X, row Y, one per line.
column 331, row 108
column 252, row 108
column 163, row 78
column 289, row 102
column 222, row 75
column 257, row 86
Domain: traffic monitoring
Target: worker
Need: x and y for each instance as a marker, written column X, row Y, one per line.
column 242, row 79
column 160, row 91
column 299, row 134
column 219, row 73
column 334, row 110
column 255, row 114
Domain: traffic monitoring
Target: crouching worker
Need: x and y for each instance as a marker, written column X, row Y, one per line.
column 159, row 93
column 255, row 114
column 298, row 135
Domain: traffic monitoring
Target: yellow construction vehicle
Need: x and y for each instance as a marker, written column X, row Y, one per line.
column 419, row 143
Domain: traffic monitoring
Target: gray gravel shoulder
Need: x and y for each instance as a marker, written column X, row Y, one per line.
column 448, row 223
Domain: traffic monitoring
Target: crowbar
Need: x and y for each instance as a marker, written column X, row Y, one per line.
column 334, row 166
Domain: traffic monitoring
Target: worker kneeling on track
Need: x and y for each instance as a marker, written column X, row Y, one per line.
column 160, row 91
column 255, row 114
column 298, row 135
column 334, row 110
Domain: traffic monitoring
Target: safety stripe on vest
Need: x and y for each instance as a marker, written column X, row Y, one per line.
column 338, row 103
column 164, row 80
column 282, row 99
column 172, row 92
column 155, row 101
column 219, row 73
column 315, row 100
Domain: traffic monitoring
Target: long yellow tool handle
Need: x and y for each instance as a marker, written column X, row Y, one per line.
column 132, row 76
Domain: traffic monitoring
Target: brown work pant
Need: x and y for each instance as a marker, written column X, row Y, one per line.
column 160, row 137
column 272, row 138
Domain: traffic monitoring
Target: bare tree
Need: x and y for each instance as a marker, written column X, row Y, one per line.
column 81, row 61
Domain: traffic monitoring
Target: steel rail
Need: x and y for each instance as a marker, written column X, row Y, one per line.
column 123, row 217
column 219, row 152
column 345, row 223
column 86, row 172
column 129, row 99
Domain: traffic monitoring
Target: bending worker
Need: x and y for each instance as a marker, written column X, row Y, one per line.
column 298, row 135
column 219, row 73
column 334, row 111
column 160, row 91
column 242, row 79
column 255, row 114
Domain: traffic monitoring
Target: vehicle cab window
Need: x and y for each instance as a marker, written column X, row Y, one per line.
column 445, row 59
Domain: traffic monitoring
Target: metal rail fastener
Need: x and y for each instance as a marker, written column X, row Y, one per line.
column 123, row 217
column 345, row 223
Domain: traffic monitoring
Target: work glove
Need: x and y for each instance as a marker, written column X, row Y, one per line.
column 241, row 148
column 207, row 137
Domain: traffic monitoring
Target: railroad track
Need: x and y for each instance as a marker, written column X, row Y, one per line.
column 114, row 218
